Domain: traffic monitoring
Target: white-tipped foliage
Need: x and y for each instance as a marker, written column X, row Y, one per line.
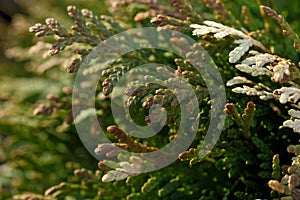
column 238, row 52
column 257, row 64
column 294, row 113
column 126, row 169
column 294, row 124
column 221, row 31
column 114, row 175
column 263, row 95
column 254, row 65
column 288, row 94
column 238, row 80
column 281, row 71
column 253, row 70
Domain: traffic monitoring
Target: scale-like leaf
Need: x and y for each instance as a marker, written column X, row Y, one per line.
column 239, row 51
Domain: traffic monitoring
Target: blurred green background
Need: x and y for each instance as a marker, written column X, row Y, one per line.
column 35, row 153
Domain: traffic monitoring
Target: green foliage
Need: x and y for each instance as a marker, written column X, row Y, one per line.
column 251, row 44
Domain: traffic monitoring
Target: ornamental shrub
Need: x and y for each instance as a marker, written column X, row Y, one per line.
column 253, row 149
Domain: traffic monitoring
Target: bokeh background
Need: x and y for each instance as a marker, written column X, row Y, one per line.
column 35, row 152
